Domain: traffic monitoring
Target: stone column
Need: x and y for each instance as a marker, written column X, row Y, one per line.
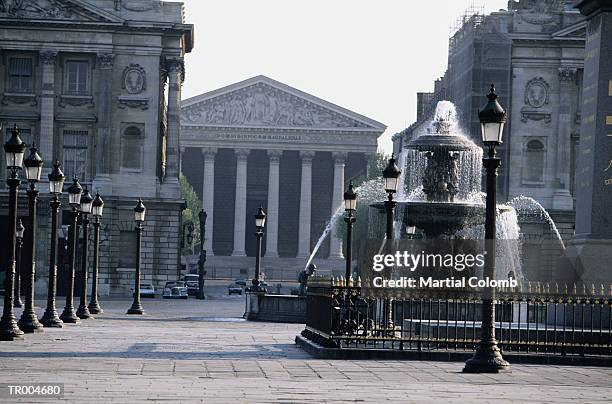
column 102, row 181
column 171, row 187
column 305, row 204
column 208, row 195
column 335, row 245
column 240, row 202
column 47, row 105
column 273, row 195
column 562, row 198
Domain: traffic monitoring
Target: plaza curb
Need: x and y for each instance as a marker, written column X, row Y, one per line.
column 321, row 352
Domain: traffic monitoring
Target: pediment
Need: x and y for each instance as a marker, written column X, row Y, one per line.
column 263, row 102
column 575, row 31
column 56, row 10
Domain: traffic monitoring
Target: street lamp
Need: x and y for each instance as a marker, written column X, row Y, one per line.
column 19, row 239
column 28, row 322
column 488, row 358
column 85, row 209
column 391, row 176
column 260, row 224
column 139, row 217
column 96, row 209
column 202, row 259
column 74, row 198
column 56, row 184
column 350, row 205
column 14, row 150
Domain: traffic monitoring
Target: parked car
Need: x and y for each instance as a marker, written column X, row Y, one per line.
column 192, row 283
column 241, row 282
column 234, row 288
column 147, row 290
column 175, row 290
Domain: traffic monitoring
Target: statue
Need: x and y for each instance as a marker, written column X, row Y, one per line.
column 303, row 278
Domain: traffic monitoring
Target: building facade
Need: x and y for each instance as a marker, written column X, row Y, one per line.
column 96, row 84
column 534, row 53
column 262, row 143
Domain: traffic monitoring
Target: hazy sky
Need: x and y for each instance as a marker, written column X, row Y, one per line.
column 370, row 56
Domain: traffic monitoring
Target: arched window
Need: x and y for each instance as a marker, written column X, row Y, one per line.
column 132, row 142
column 534, row 162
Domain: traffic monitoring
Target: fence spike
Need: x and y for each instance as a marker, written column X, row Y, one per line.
column 603, row 290
column 529, row 287
column 584, row 290
column 350, row 281
column 593, row 289
column 548, row 288
column 565, row 291
column 556, row 288
column 333, row 281
column 575, row 291
column 359, row 281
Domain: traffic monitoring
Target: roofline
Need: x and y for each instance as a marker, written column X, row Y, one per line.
column 284, row 87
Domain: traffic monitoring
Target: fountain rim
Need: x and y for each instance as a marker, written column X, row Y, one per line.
column 448, row 142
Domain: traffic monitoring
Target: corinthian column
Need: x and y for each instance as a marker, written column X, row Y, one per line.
column 208, row 195
column 175, row 68
column 305, row 204
column 240, row 202
column 102, row 181
column 335, row 245
column 273, row 194
column 47, row 105
column 562, row 198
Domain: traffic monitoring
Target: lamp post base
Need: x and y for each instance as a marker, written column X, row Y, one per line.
column 136, row 309
column 94, row 308
column 29, row 323
column 51, row 320
column 83, row 313
column 487, row 359
column 9, row 330
column 69, row 316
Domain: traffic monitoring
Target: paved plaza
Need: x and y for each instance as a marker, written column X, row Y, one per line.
column 202, row 351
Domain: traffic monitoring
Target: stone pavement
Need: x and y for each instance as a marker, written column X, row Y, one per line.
column 202, row 351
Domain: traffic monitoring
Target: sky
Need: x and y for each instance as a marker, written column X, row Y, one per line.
column 369, row 56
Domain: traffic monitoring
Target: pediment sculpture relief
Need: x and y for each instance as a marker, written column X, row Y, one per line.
column 34, row 9
column 262, row 105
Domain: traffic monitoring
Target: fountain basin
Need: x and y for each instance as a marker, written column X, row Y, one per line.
column 440, row 218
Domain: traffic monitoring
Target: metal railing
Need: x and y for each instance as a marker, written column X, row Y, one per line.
column 534, row 318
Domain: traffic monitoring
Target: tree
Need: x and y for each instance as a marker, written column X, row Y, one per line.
column 190, row 214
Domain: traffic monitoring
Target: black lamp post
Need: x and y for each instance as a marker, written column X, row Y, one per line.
column 139, row 217
column 391, row 175
column 488, row 358
column 74, row 197
column 96, row 209
column 202, row 259
column 28, row 322
column 260, row 224
column 56, row 184
column 85, row 208
column 350, row 205
column 14, row 149
column 19, row 240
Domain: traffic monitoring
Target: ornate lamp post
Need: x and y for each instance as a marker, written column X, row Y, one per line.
column 260, row 224
column 202, row 260
column 488, row 358
column 391, row 175
column 96, row 209
column 19, row 244
column 56, row 184
column 33, row 168
column 139, row 217
column 74, row 197
column 85, row 208
column 350, row 205
column 14, row 149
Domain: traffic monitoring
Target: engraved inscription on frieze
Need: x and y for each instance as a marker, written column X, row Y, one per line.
column 262, row 105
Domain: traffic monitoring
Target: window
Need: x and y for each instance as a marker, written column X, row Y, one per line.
column 132, row 141
column 533, row 168
column 20, row 75
column 75, row 154
column 77, row 77
column 127, row 249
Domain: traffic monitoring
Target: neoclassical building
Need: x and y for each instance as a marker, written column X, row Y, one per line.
column 260, row 142
column 97, row 85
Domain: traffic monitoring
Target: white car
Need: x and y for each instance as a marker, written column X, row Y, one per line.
column 147, row 290
column 175, row 290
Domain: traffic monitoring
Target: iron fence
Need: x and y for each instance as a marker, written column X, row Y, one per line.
column 532, row 319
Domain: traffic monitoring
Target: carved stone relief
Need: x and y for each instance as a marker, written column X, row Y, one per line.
column 263, row 105
column 34, row 9
column 537, row 96
column 134, row 79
